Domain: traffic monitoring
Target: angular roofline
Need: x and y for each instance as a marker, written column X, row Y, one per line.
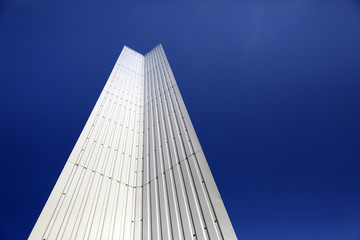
column 157, row 46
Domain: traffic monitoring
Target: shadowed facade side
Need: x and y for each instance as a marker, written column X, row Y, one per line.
column 137, row 170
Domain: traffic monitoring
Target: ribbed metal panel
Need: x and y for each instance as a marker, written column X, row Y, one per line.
column 137, row 170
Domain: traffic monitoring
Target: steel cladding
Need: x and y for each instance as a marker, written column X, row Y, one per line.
column 137, row 170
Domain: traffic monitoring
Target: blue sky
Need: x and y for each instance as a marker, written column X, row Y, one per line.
column 272, row 88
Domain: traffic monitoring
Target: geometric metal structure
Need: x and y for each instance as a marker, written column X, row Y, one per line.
column 137, row 170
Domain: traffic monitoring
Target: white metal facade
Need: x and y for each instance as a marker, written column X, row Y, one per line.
column 137, row 170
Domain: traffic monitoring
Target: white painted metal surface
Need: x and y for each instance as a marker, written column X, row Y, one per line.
column 137, row 170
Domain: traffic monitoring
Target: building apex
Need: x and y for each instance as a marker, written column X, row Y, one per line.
column 157, row 46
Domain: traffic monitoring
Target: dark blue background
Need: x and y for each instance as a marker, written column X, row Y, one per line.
column 272, row 88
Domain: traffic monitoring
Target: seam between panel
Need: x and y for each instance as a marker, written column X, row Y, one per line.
column 142, row 185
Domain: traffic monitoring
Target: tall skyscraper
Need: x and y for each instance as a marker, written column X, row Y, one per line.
column 137, row 170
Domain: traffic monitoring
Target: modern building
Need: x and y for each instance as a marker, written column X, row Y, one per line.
column 137, row 170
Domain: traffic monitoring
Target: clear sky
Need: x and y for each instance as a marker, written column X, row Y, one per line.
column 272, row 88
